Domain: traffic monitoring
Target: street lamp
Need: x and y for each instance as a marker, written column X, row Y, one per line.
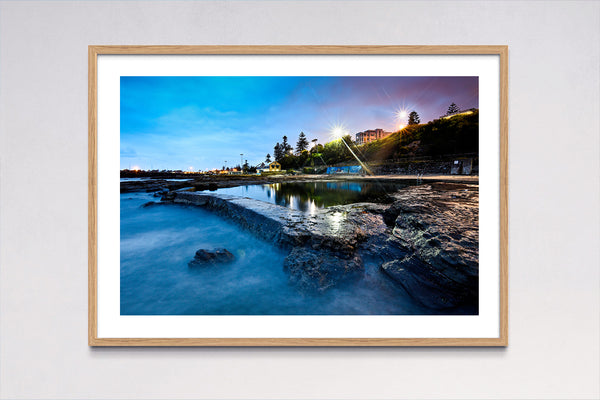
column 242, row 162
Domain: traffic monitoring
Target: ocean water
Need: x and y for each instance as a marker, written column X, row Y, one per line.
column 157, row 243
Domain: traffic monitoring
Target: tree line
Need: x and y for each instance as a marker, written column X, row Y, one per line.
column 303, row 155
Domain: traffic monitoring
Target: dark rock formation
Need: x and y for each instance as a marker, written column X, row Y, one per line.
column 208, row 257
column 434, row 250
column 167, row 196
column 319, row 270
column 152, row 185
column 161, row 192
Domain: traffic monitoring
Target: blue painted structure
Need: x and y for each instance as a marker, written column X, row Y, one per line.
column 352, row 169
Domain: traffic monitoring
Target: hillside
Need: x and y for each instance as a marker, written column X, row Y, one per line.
column 438, row 138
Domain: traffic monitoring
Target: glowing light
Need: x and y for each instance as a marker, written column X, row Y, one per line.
column 312, row 207
column 401, row 114
column 338, row 131
column 136, row 168
column 401, row 126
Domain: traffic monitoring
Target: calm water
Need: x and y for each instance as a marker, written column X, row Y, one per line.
column 149, row 179
column 158, row 242
column 308, row 196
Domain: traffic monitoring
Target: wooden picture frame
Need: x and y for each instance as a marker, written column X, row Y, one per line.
column 94, row 52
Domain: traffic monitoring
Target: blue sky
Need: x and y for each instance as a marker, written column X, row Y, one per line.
column 201, row 122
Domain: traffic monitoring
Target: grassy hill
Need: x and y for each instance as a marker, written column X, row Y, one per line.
column 440, row 137
column 437, row 139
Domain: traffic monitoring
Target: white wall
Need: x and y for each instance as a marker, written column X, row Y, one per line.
column 554, row 197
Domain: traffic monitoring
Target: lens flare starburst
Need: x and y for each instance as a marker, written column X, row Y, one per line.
column 337, row 130
column 401, row 114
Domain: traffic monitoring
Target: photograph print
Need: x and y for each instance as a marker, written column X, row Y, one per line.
column 299, row 195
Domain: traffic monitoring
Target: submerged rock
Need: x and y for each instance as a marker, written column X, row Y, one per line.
column 161, row 192
column 167, row 196
column 207, row 257
column 152, row 204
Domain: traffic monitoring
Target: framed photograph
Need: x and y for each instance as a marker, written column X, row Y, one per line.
column 298, row 196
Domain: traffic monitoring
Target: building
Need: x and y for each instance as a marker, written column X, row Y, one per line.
column 274, row 166
column 371, row 135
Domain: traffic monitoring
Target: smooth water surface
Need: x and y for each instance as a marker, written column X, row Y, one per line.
column 309, row 196
column 157, row 243
column 150, row 179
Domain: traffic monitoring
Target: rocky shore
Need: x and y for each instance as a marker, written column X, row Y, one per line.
column 202, row 182
column 214, row 182
column 433, row 248
column 426, row 241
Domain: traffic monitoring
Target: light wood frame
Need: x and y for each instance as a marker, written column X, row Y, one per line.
column 94, row 51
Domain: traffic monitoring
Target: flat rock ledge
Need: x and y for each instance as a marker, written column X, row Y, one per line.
column 426, row 241
column 323, row 246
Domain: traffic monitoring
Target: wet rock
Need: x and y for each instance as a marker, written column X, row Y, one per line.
column 428, row 285
column 151, row 185
column 201, row 186
column 434, row 249
column 314, row 270
column 208, row 257
column 391, row 213
column 161, row 192
column 168, row 196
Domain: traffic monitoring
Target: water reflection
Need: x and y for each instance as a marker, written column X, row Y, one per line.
column 310, row 196
column 334, row 221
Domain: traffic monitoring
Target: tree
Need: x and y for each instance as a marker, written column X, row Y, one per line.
column 313, row 149
column 302, row 143
column 336, row 151
column 278, row 152
column 285, row 146
column 245, row 167
column 268, row 158
column 453, row 109
column 413, row 118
